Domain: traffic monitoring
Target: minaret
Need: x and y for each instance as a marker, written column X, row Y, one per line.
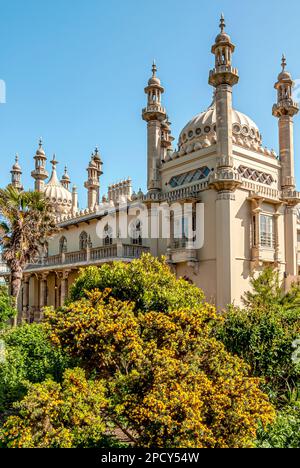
column 99, row 163
column 223, row 77
column 285, row 109
column 225, row 180
column 16, row 174
column 74, row 200
column 93, row 184
column 65, row 180
column 40, row 174
column 154, row 114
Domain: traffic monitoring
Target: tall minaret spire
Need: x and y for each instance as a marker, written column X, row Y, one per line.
column 223, row 77
column 154, row 114
column 225, row 179
column 285, row 109
column 93, row 183
column 16, row 174
column 40, row 174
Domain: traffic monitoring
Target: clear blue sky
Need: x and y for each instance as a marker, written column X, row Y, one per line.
column 75, row 73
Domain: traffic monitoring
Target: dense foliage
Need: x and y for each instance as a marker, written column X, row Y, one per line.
column 158, row 366
column 28, row 357
column 263, row 333
column 147, row 282
column 170, row 382
column 7, row 308
column 55, row 415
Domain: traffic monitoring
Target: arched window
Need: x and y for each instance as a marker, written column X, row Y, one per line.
column 108, row 235
column 136, row 232
column 83, row 241
column 63, row 245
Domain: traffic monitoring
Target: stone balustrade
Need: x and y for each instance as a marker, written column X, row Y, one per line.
column 88, row 257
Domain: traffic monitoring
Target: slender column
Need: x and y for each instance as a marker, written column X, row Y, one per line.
column 64, row 287
column 26, row 298
column 291, row 241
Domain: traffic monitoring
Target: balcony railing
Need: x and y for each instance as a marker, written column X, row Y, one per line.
column 92, row 256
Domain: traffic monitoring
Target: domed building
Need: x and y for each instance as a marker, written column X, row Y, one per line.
column 220, row 206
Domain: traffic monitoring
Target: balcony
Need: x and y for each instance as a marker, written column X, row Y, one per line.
column 4, row 270
column 122, row 252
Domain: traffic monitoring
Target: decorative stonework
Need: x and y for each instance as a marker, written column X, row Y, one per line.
column 255, row 175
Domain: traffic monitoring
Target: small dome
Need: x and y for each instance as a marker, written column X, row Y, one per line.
column 16, row 167
column 284, row 76
column 154, row 81
column 223, row 37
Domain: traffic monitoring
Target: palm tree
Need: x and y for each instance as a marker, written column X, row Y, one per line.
column 26, row 222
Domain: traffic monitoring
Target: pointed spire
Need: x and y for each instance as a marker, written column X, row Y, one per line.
column 222, row 23
column 283, row 62
column 154, row 68
column 54, row 161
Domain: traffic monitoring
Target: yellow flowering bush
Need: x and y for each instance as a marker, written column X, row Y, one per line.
column 170, row 383
column 58, row 416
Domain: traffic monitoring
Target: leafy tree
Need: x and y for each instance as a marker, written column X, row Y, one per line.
column 54, row 415
column 148, row 282
column 27, row 220
column 170, row 383
column 263, row 333
column 7, row 308
column 29, row 356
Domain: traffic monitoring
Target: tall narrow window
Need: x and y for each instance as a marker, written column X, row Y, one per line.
column 108, row 235
column 267, row 231
column 63, row 245
column 83, row 241
column 136, row 233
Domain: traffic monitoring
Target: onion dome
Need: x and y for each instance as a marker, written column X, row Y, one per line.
column 154, row 80
column 40, row 151
column 56, row 194
column 16, row 167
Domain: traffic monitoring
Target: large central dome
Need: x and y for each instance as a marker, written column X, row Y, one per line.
column 200, row 132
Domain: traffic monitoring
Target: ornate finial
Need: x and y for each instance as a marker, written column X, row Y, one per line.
column 283, row 62
column 154, row 68
column 54, row 161
column 17, row 158
column 40, row 142
column 222, row 23
column 96, row 151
